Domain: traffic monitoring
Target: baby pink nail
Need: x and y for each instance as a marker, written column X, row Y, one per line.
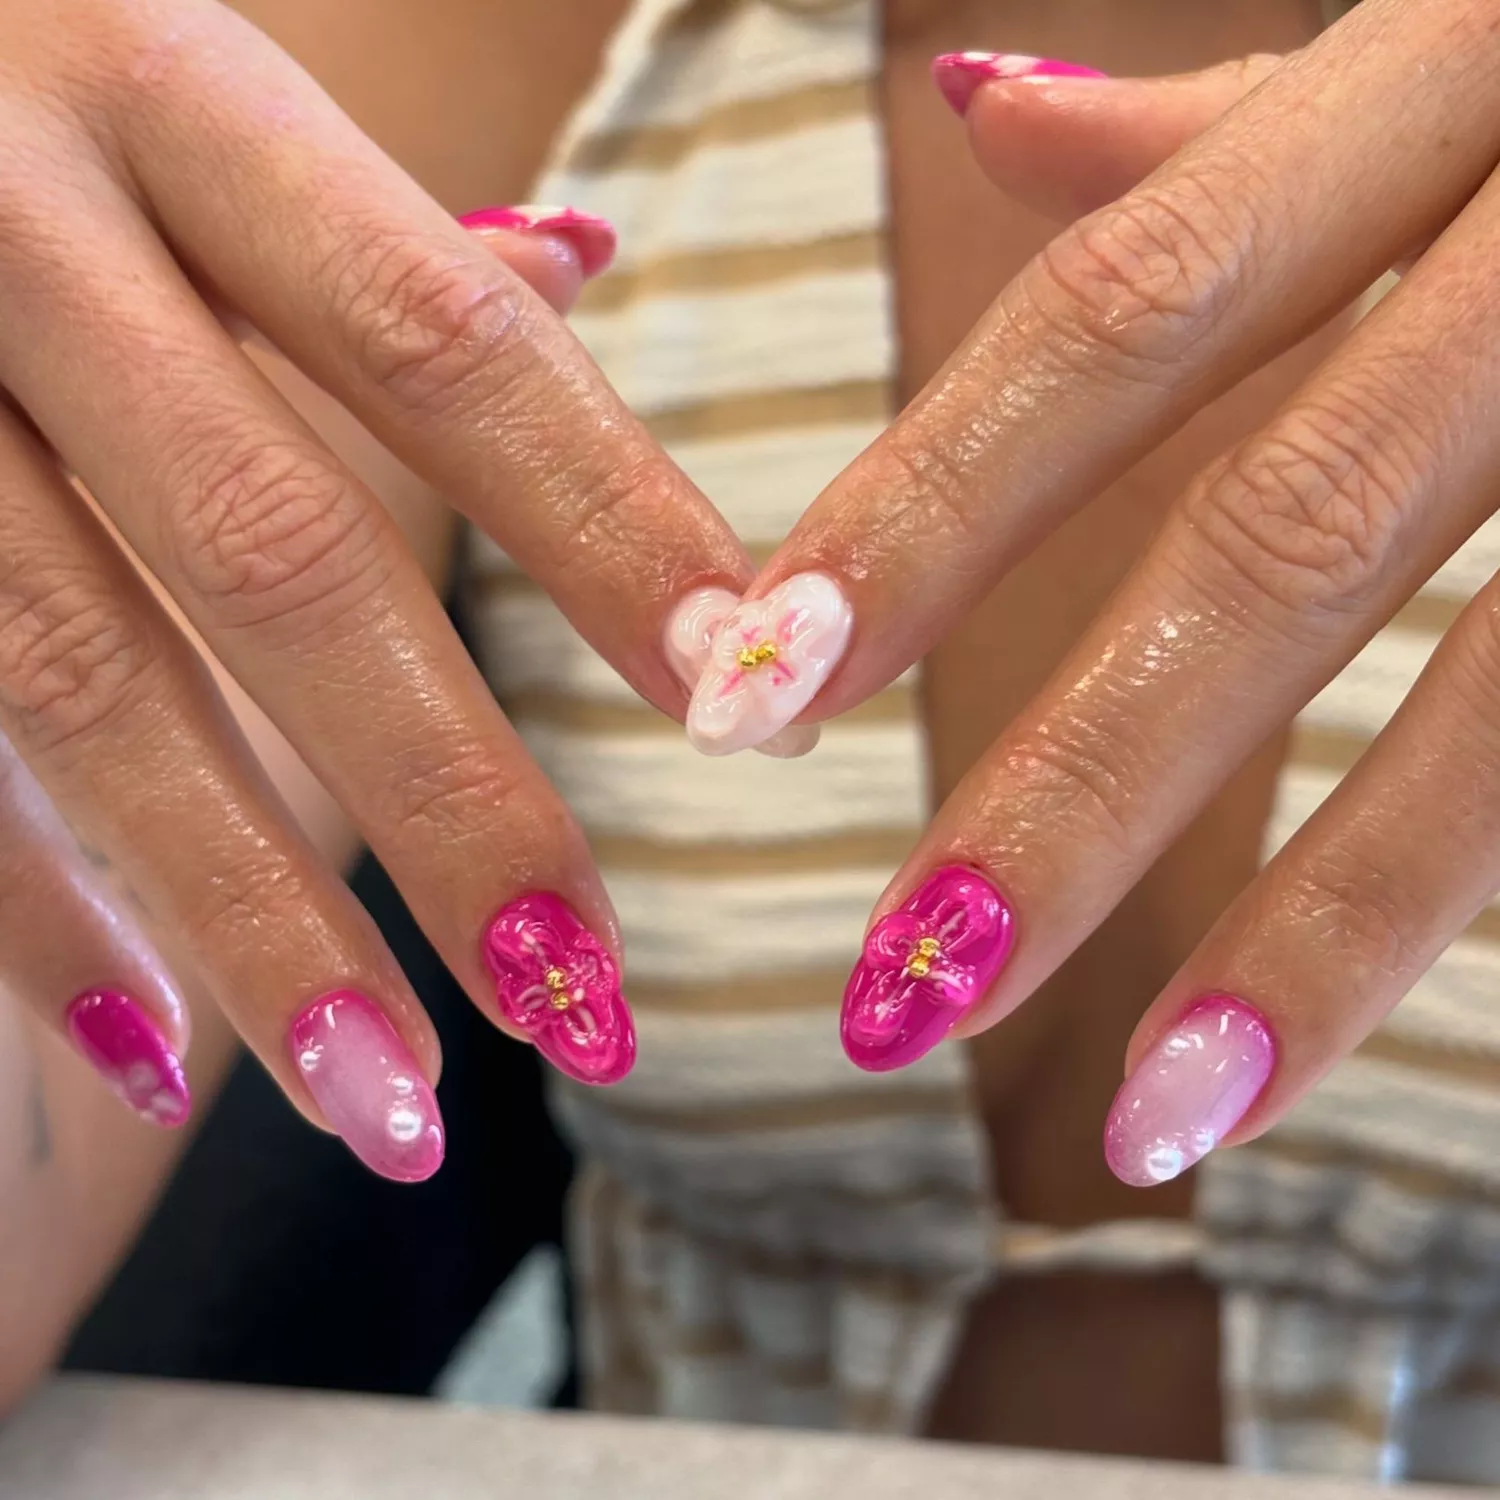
column 1193, row 1087
column 767, row 661
column 592, row 238
column 558, row 983
column 923, row 967
column 689, row 638
column 366, row 1081
column 959, row 74
column 118, row 1036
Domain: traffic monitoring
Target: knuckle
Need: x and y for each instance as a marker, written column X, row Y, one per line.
column 267, row 533
column 1075, row 773
column 1311, row 513
column 453, row 793
column 71, row 661
column 1357, row 907
column 246, row 896
column 1143, row 282
column 425, row 323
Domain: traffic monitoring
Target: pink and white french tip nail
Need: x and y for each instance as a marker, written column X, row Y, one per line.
column 958, row 75
column 556, row 981
column 593, row 239
column 369, row 1085
column 689, row 641
column 132, row 1054
column 767, row 662
column 924, row 967
column 1189, row 1091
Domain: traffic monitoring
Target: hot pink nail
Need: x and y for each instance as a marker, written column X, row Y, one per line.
column 592, row 238
column 1193, row 1087
column 558, row 983
column 689, row 639
column 366, row 1081
column 959, row 74
column 923, row 967
column 118, row 1036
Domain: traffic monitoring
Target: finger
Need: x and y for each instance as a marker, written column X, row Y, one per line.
column 1256, row 232
column 302, row 586
column 1275, row 568
column 365, row 283
column 1335, row 932
column 1067, row 144
column 72, row 953
column 114, row 713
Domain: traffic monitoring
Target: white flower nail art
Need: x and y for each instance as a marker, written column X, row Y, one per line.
column 767, row 662
column 689, row 639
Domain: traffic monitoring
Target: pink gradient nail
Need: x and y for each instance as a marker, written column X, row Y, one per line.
column 1189, row 1091
column 924, row 966
column 131, row 1052
column 688, row 641
column 959, row 74
column 592, row 238
column 368, row 1085
column 767, row 662
column 558, row 983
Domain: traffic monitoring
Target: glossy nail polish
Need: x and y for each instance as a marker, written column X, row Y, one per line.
column 592, row 238
column 131, row 1052
column 766, row 663
column 959, row 74
column 558, row 983
column 924, row 967
column 368, row 1085
column 688, row 643
column 1189, row 1091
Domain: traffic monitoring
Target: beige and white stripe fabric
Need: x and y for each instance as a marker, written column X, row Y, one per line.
column 764, row 1233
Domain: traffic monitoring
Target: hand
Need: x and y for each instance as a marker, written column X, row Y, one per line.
column 163, row 163
column 1270, row 573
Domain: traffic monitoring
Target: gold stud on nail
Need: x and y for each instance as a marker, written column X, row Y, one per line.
column 919, row 961
column 556, row 980
column 751, row 657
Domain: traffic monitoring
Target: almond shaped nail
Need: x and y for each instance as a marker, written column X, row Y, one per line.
column 767, row 662
column 959, row 75
column 559, row 984
column 924, row 967
column 688, row 640
column 130, row 1051
column 593, row 239
column 1189, row 1091
column 369, row 1085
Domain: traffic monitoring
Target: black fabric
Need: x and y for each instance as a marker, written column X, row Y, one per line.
column 274, row 1257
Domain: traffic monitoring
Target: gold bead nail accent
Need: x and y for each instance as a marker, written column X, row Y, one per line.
column 556, row 980
column 751, row 657
column 919, row 962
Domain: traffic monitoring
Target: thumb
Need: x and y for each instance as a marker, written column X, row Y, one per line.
column 1066, row 140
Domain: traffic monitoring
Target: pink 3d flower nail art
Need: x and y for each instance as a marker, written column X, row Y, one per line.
column 689, row 639
column 559, row 984
column 767, row 662
column 923, row 967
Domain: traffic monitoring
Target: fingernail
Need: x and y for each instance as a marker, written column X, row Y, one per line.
column 688, row 641
column 924, row 967
column 1193, row 1087
column 959, row 74
column 131, row 1052
column 366, row 1081
column 592, row 238
column 558, row 983
column 766, row 663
